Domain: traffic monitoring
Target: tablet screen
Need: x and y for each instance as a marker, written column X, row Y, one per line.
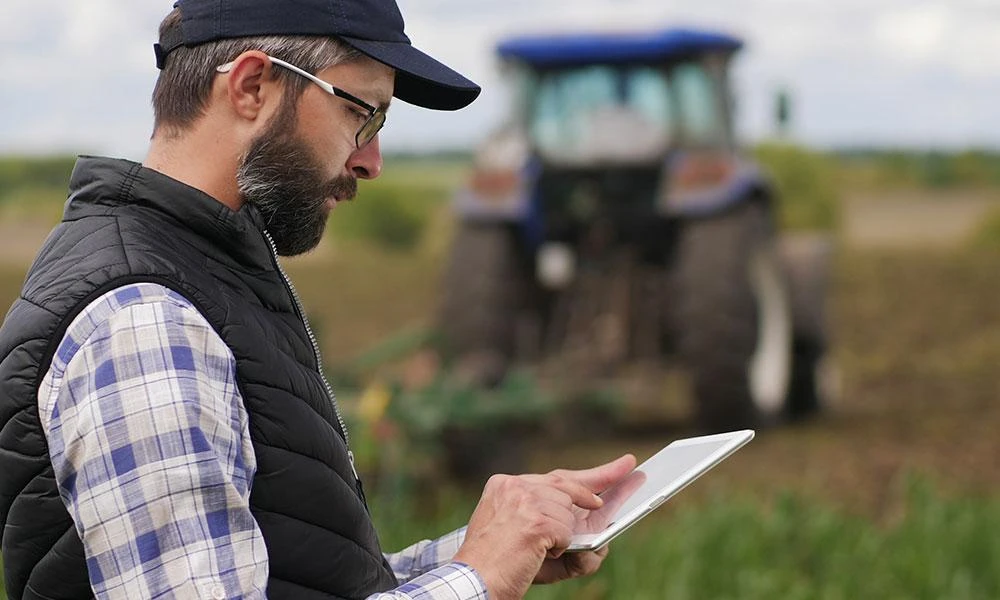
column 653, row 478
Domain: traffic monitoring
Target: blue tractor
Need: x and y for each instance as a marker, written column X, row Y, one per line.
column 613, row 220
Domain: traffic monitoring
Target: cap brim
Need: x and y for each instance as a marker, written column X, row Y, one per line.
column 420, row 79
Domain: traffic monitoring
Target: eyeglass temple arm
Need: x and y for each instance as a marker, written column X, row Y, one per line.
column 225, row 68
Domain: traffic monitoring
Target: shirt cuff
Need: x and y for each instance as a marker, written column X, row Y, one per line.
column 453, row 581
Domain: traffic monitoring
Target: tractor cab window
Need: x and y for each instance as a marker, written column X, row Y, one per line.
column 700, row 120
column 601, row 113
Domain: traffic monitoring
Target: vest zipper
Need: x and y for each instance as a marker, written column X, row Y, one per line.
column 315, row 347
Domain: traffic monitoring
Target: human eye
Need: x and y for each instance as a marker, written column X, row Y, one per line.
column 359, row 115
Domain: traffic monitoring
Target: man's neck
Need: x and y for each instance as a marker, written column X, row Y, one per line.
column 199, row 159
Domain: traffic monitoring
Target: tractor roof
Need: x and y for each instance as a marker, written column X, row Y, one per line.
column 566, row 50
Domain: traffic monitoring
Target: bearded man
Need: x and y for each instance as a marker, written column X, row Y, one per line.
column 166, row 430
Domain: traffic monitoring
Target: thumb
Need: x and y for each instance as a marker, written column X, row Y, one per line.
column 602, row 477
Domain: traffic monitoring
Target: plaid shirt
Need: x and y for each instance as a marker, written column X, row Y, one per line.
column 150, row 443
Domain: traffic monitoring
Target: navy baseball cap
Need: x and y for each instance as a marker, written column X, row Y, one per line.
column 374, row 27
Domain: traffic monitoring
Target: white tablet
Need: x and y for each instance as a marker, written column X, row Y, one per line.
column 652, row 483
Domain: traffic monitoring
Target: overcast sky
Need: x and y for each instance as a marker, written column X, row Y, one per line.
column 76, row 76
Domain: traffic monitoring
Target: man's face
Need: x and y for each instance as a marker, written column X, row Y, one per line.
column 306, row 160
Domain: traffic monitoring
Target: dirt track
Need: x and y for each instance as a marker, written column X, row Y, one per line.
column 914, row 218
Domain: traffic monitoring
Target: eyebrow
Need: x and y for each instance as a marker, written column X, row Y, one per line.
column 365, row 95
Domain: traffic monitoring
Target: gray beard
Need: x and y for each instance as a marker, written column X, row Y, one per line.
column 281, row 178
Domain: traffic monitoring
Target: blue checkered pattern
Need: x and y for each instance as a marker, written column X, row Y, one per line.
column 149, row 439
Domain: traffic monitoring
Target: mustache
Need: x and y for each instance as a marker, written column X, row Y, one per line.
column 344, row 187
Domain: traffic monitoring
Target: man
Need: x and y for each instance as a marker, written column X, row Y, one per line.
column 165, row 426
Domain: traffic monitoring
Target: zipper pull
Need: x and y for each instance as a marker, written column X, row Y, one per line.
column 361, row 486
column 350, row 455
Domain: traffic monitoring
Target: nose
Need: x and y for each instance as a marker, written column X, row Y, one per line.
column 366, row 163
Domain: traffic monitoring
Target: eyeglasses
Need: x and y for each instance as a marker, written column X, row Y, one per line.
column 376, row 116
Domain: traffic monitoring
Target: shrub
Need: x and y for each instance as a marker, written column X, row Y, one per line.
column 51, row 172
column 808, row 195
column 987, row 235
column 394, row 210
column 936, row 169
column 384, row 215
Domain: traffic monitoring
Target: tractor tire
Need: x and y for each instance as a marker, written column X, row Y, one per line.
column 807, row 261
column 811, row 389
column 483, row 290
column 735, row 322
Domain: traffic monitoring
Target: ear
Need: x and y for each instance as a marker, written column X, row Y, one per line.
column 250, row 87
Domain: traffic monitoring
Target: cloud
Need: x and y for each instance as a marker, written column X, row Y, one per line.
column 79, row 74
column 958, row 37
column 909, row 72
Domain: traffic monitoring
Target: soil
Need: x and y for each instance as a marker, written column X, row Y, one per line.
column 915, row 321
column 917, row 344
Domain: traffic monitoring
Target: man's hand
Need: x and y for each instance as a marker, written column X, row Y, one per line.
column 559, row 565
column 522, row 525
column 570, row 565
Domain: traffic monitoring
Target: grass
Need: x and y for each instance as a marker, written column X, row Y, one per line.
column 790, row 547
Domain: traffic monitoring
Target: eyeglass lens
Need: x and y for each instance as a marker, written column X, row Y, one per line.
column 371, row 128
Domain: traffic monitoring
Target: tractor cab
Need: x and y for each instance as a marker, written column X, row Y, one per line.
column 622, row 99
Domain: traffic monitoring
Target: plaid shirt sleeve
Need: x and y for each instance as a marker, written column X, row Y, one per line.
column 149, row 440
column 429, row 574
column 425, row 555
column 151, row 450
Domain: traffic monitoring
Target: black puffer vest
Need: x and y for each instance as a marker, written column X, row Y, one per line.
column 123, row 224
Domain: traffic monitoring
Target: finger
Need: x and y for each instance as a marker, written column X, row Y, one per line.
column 561, row 540
column 601, row 477
column 585, row 563
column 558, row 527
column 558, row 512
column 620, row 493
column 575, row 564
column 577, row 493
column 551, row 511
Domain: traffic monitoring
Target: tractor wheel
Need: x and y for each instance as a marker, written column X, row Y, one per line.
column 807, row 259
column 814, row 384
column 483, row 290
column 735, row 322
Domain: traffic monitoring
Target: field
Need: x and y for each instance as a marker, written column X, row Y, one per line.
column 894, row 492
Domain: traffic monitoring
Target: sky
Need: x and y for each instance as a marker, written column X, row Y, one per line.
column 77, row 76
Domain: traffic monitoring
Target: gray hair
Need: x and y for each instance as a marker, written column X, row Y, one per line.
column 185, row 83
